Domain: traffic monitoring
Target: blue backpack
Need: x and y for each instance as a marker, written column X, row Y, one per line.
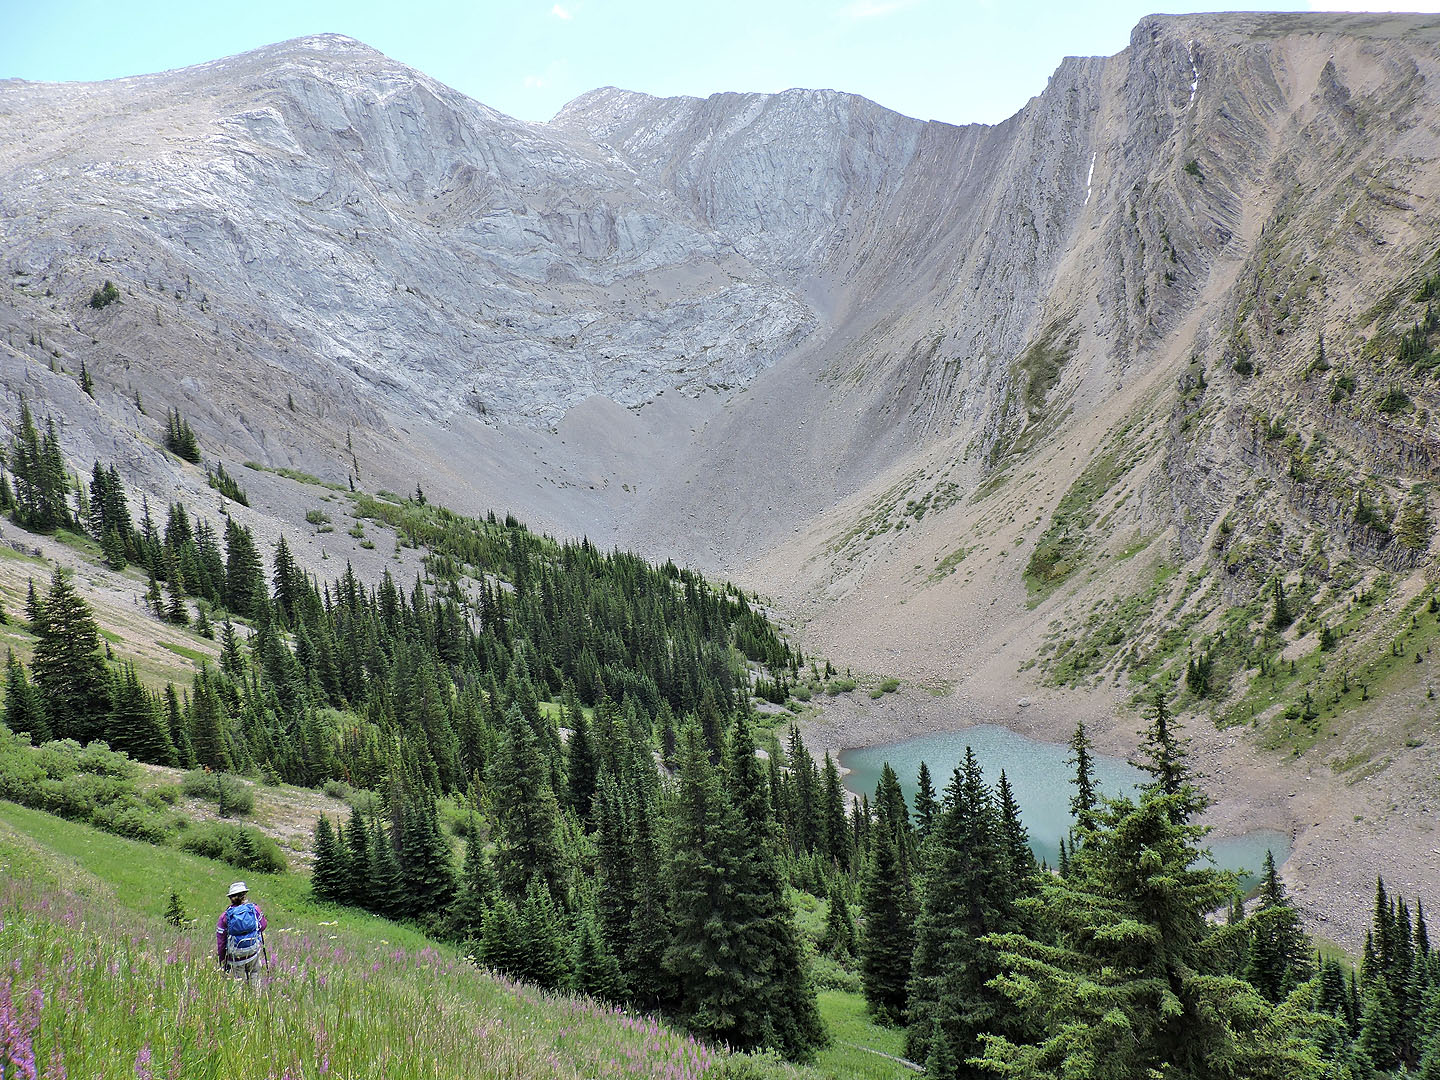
column 242, row 932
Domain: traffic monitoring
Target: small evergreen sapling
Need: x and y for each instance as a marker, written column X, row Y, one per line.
column 175, row 913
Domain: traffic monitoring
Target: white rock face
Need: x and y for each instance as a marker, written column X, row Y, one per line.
column 373, row 228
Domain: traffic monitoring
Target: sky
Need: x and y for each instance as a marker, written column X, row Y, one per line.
column 960, row 61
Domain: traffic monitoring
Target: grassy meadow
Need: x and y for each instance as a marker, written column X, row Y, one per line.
column 96, row 984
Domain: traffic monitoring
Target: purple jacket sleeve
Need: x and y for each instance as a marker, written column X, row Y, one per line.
column 220, row 934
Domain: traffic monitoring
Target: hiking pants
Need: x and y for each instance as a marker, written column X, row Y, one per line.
column 247, row 970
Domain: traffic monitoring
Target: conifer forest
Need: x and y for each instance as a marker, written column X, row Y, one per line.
column 624, row 824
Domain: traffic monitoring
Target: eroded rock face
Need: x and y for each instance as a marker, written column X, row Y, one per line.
column 357, row 226
column 312, row 240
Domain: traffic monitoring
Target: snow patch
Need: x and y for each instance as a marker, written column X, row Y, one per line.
column 1090, row 176
column 1194, row 71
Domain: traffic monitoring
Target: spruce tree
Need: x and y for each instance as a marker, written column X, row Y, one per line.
column 527, row 815
column 385, row 889
column 651, row 927
column 580, row 764
column 357, row 858
column 1278, row 958
column 244, row 589
column 67, row 667
column 1086, row 797
column 838, row 938
column 1118, row 985
column 615, row 881
column 597, row 972
column 502, row 945
column 788, row 1017
column 966, row 891
column 478, row 890
column 24, row 708
column 429, row 869
column 178, row 729
column 926, row 805
column 135, row 725
column 887, row 940
column 834, row 829
column 175, row 910
column 1014, row 842
column 1162, row 755
column 544, row 938
column 327, row 875
column 716, row 996
column 208, row 723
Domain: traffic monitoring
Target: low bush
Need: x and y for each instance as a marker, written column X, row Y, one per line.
column 93, row 784
column 246, row 848
column 231, row 795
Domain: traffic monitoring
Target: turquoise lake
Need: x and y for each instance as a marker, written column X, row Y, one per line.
column 1040, row 777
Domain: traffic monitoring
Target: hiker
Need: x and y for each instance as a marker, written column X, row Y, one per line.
column 240, row 937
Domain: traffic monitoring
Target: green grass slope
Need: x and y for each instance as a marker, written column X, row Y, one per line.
column 98, row 985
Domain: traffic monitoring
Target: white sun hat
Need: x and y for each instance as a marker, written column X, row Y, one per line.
column 238, row 888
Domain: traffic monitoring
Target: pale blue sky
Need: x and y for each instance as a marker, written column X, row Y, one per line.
column 953, row 60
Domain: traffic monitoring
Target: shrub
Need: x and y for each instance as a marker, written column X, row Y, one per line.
column 231, row 795
column 238, row 845
column 105, row 295
column 338, row 789
column 828, row 974
column 93, row 784
column 840, row 686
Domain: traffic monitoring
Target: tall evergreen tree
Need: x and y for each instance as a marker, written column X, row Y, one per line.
column 527, row 815
column 135, row 724
column 327, row 878
column 1086, row 797
column 244, row 590
column 834, row 828
column 926, row 805
column 429, row 869
column 478, row 890
column 24, row 708
column 1278, row 959
column 888, row 939
column 769, row 935
column 1014, row 841
column 580, row 764
column 67, row 665
column 543, row 936
column 651, row 925
column 839, row 936
column 1162, row 754
column 597, row 971
column 966, row 890
column 209, row 723
column 1118, row 987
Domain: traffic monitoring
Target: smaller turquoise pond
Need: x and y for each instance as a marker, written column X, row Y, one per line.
column 1040, row 777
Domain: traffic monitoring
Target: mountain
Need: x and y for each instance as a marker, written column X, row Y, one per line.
column 1051, row 410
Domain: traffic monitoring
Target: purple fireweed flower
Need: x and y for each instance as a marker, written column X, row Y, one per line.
column 142, row 1064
